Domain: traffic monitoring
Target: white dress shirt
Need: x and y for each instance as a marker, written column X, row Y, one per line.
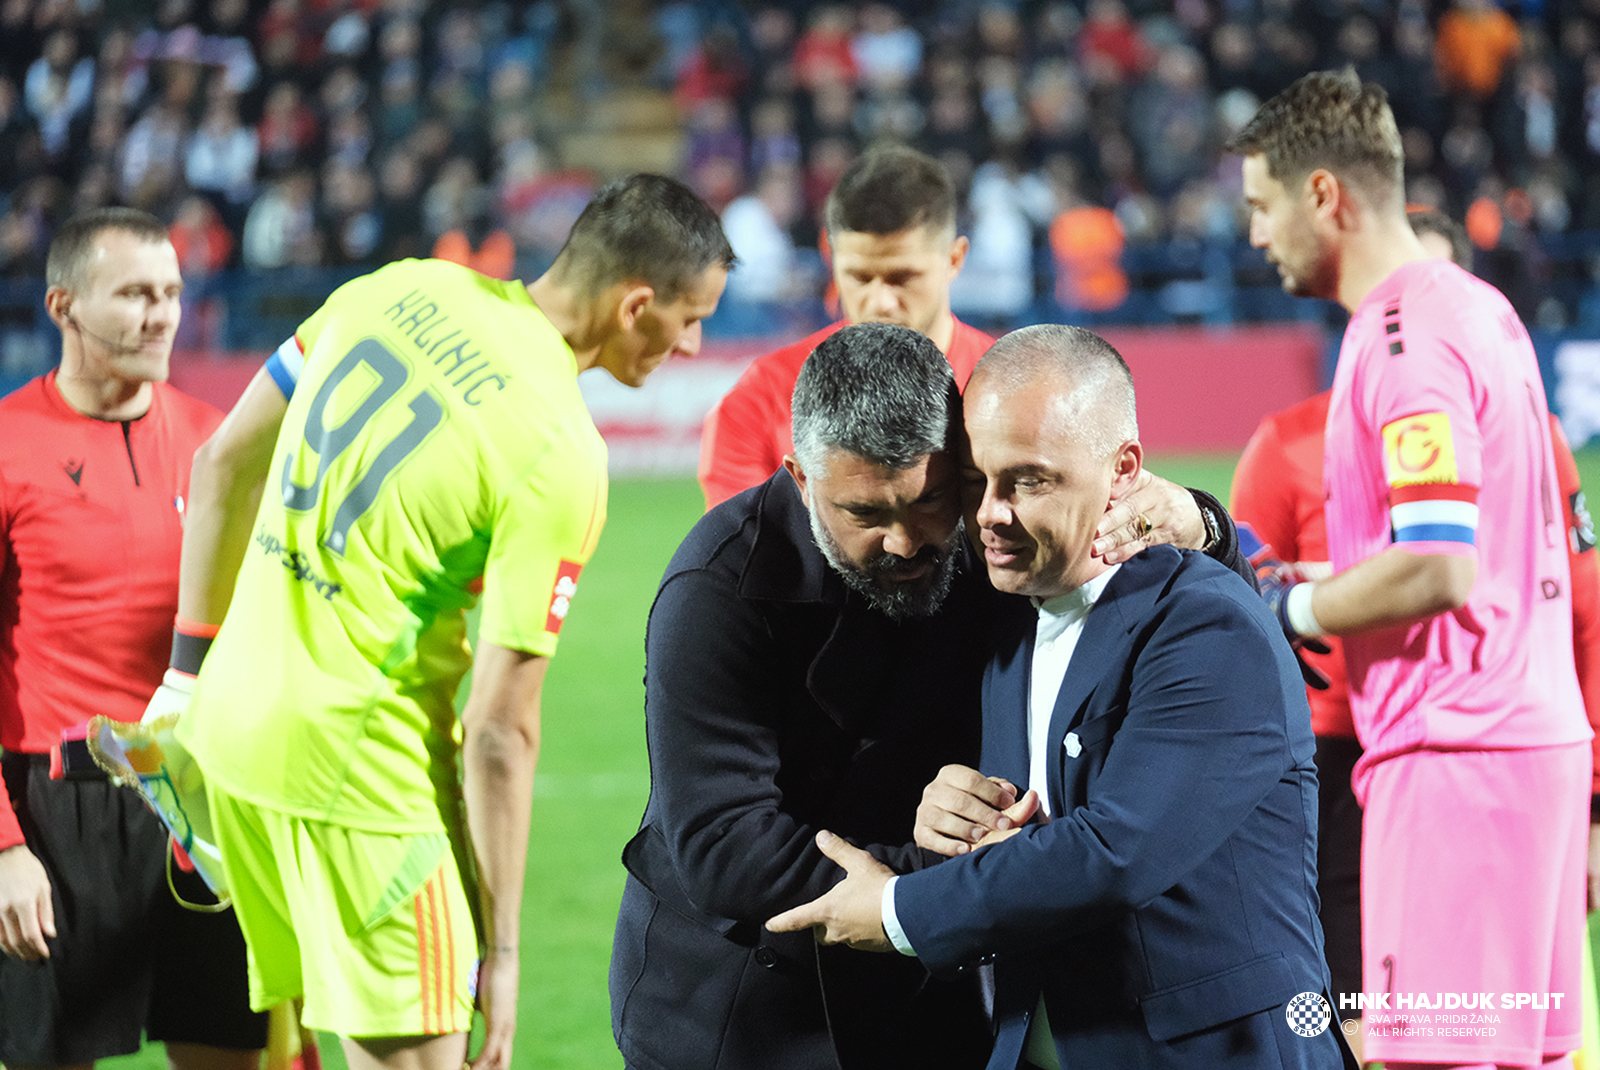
column 1055, row 637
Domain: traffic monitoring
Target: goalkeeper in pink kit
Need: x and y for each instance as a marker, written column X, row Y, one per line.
column 1451, row 590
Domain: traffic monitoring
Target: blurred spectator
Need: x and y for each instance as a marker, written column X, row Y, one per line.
column 1111, row 45
column 889, row 113
column 887, row 52
column 288, row 131
column 511, row 97
column 96, row 188
column 1236, row 61
column 1287, row 52
column 996, row 283
column 350, row 216
column 58, row 89
column 772, row 38
column 281, row 229
column 19, row 41
column 954, row 128
column 151, row 159
column 1475, row 43
column 529, row 49
column 349, row 34
column 1359, row 44
column 228, row 44
column 828, row 159
column 1419, row 98
column 399, row 207
column 25, row 230
column 289, row 34
column 539, row 206
column 774, row 141
column 342, row 92
column 1086, row 242
column 204, row 246
column 1532, row 121
column 399, row 103
column 120, row 78
column 1000, row 96
column 1466, row 152
column 999, row 32
column 456, row 200
column 1058, row 114
column 460, row 57
column 350, row 138
column 830, row 111
column 16, row 127
column 757, row 225
column 713, row 69
column 822, row 55
column 220, row 161
column 716, row 152
column 495, row 257
column 1170, row 119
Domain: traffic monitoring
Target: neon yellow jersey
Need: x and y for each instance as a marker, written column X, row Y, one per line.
column 436, row 441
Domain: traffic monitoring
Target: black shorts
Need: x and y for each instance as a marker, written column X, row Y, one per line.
column 1339, row 865
column 127, row 959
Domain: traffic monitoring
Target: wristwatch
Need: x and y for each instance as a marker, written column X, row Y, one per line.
column 1213, row 528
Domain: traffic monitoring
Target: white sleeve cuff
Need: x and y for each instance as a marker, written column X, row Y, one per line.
column 891, row 922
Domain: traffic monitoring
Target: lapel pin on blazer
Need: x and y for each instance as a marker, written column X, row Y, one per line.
column 1074, row 748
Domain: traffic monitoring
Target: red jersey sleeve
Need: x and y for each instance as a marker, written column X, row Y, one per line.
column 1263, row 494
column 1585, row 561
column 738, row 444
column 10, row 831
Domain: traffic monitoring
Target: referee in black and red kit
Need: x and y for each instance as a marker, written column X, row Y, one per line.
column 94, row 466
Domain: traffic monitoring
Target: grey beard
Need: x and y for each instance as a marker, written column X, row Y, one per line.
column 874, row 580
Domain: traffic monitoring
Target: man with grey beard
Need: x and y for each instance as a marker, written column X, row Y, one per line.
column 814, row 657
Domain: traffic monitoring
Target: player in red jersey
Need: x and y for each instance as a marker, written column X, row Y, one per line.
column 94, row 470
column 892, row 231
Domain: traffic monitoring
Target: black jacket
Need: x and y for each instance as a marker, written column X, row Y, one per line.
column 776, row 704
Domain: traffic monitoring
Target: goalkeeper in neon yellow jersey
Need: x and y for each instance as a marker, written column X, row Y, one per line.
column 420, row 438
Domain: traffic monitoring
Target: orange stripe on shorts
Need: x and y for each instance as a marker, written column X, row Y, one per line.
column 422, row 956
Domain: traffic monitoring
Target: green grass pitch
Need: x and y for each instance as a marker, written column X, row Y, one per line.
column 593, row 775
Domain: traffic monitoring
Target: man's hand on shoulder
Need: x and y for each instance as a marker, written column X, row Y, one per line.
column 27, row 914
column 851, row 912
column 1154, row 512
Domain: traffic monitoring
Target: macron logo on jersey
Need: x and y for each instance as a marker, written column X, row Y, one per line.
column 561, row 593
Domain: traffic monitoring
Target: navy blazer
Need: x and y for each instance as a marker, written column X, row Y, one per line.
column 1169, row 913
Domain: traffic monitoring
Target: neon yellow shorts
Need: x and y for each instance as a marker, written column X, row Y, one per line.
column 373, row 930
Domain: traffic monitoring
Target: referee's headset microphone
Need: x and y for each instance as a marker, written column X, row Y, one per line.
column 119, row 347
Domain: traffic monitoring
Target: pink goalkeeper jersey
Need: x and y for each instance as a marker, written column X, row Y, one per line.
column 1439, row 443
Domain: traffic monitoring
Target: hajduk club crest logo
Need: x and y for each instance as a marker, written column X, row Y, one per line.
column 1308, row 1014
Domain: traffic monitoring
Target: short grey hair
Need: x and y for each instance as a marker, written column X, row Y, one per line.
column 1099, row 407
column 882, row 392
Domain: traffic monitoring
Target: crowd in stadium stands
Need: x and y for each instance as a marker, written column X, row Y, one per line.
column 274, row 133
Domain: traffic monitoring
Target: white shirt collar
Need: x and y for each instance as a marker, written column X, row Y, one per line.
column 1062, row 611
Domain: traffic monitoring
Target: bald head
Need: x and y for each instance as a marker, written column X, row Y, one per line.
column 1052, row 443
column 1089, row 384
